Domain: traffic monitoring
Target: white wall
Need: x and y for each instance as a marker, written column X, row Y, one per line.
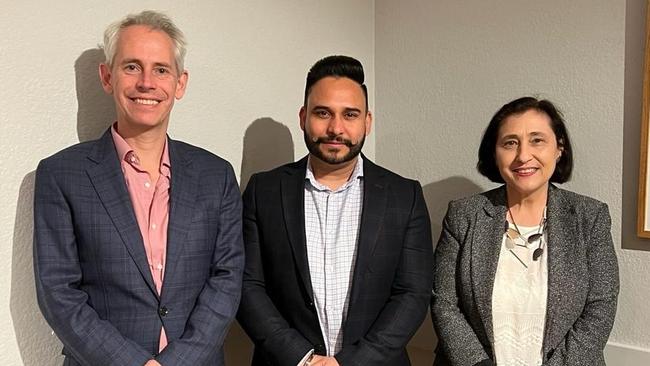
column 444, row 67
column 247, row 62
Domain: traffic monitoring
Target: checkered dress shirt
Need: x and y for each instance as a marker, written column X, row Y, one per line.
column 332, row 220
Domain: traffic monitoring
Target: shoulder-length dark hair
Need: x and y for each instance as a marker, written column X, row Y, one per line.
column 486, row 153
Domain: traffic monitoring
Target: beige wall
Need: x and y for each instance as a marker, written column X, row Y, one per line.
column 444, row 67
column 247, row 62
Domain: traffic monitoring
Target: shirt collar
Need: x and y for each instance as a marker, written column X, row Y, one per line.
column 357, row 173
column 123, row 148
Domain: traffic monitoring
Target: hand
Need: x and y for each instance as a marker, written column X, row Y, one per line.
column 323, row 361
column 152, row 363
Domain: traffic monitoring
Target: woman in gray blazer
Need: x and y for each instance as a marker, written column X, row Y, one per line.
column 525, row 274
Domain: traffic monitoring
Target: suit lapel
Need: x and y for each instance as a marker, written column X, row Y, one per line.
column 486, row 246
column 108, row 181
column 293, row 209
column 372, row 216
column 182, row 199
column 561, row 219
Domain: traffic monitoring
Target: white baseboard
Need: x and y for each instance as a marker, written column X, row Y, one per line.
column 617, row 354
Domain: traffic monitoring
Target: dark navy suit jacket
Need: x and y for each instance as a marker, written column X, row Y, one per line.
column 391, row 284
column 93, row 281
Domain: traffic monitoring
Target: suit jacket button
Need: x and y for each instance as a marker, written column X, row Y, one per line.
column 163, row 311
column 319, row 349
column 311, row 307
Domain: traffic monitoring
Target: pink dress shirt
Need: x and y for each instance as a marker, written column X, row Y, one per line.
column 150, row 202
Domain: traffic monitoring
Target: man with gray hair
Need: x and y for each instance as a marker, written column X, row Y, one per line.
column 138, row 252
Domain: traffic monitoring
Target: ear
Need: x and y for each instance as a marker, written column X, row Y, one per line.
column 181, row 84
column 105, row 78
column 302, row 114
column 368, row 122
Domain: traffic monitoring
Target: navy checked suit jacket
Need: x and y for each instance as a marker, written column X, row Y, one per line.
column 93, row 281
column 391, row 284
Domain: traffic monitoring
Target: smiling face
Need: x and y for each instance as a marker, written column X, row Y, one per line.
column 526, row 153
column 335, row 120
column 143, row 79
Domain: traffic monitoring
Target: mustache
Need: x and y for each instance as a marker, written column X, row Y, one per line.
column 338, row 139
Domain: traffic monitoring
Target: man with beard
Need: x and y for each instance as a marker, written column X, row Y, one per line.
column 338, row 249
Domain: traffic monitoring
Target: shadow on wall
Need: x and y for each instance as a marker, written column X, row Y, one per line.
column 437, row 195
column 267, row 144
column 96, row 109
column 37, row 344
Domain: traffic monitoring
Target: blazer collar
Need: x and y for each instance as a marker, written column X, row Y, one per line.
column 293, row 204
column 375, row 200
column 486, row 246
column 108, row 180
column 562, row 228
column 292, row 188
column 183, row 193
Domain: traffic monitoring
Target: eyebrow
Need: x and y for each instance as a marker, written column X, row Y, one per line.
column 346, row 109
column 130, row 61
column 515, row 136
column 352, row 109
column 137, row 61
column 321, row 107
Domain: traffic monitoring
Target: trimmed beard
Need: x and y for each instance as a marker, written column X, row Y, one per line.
column 313, row 145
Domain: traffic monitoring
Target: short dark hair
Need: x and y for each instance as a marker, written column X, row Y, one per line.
column 486, row 153
column 336, row 66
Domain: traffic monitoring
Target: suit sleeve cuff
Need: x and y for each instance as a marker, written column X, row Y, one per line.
column 307, row 357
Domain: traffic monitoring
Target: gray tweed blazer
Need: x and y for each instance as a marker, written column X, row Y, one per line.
column 582, row 279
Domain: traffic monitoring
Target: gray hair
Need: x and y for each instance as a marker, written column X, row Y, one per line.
column 154, row 20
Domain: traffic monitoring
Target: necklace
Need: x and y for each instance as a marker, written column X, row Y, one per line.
column 513, row 234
